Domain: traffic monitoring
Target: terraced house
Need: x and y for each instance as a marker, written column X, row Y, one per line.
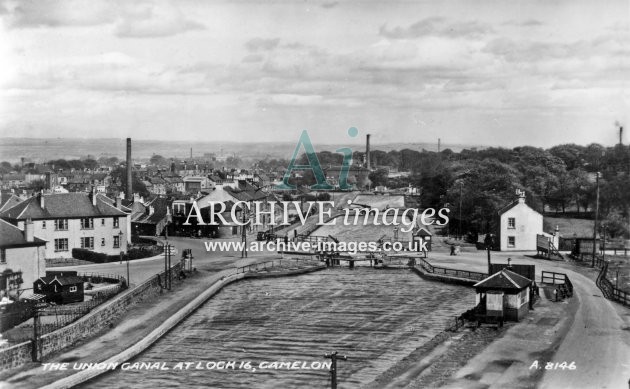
column 74, row 220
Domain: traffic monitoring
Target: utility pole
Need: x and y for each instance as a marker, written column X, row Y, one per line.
column 170, row 270
column 596, row 217
column 34, row 346
column 333, row 367
column 461, row 188
column 166, row 250
column 489, row 261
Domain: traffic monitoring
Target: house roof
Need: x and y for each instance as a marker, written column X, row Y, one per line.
column 511, row 205
column 11, row 236
column 160, row 206
column 63, row 205
column 8, row 200
column 505, row 279
column 62, row 280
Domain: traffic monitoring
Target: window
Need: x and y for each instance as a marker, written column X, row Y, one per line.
column 511, row 241
column 116, row 241
column 61, row 224
column 102, row 222
column 73, row 289
column 102, row 241
column 43, row 224
column 61, row 244
column 511, row 222
column 3, row 255
column 116, row 223
column 87, row 223
column 87, row 242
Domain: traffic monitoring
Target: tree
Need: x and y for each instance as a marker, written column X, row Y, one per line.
column 158, row 160
column 5, row 167
column 379, row 177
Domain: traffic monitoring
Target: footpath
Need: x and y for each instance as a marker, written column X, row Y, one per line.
column 134, row 326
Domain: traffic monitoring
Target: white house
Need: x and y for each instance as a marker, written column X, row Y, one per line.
column 22, row 258
column 518, row 226
column 74, row 220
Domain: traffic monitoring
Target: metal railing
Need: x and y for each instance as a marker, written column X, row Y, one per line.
column 277, row 263
column 471, row 275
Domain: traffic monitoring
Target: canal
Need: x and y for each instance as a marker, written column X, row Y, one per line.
column 375, row 317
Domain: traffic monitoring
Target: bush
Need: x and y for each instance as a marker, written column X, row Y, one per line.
column 144, row 252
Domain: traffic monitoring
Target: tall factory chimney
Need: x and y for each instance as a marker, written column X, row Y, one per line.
column 367, row 151
column 191, row 153
column 620, row 134
column 439, row 144
column 129, row 189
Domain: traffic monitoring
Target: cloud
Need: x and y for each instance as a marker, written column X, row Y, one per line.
column 436, row 26
column 261, row 44
column 150, row 20
column 142, row 19
column 330, row 4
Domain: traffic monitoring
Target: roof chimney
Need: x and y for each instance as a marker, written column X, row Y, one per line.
column 40, row 197
column 129, row 166
column 29, row 232
column 151, row 210
column 521, row 196
column 93, row 196
column 118, row 202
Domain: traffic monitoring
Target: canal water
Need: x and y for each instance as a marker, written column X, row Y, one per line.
column 374, row 316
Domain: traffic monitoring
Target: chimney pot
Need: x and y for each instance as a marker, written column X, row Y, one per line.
column 41, row 199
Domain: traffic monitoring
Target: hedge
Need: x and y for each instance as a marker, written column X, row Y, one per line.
column 88, row 255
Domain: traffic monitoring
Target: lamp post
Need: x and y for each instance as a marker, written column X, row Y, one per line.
column 333, row 367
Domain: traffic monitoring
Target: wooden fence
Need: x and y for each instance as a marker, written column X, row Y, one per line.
column 565, row 287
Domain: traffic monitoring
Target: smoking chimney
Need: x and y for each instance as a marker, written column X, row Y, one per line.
column 367, row 151
column 29, row 232
column 129, row 189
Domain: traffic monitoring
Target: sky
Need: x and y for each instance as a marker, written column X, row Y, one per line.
column 502, row 73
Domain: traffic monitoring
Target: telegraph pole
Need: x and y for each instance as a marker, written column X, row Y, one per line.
column 333, row 367
column 170, row 271
column 596, row 217
column 461, row 188
column 166, row 250
column 34, row 347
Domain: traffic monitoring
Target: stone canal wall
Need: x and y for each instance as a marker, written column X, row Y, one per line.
column 97, row 320
column 169, row 324
column 15, row 356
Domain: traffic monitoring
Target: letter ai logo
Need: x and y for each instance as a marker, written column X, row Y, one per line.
column 315, row 167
